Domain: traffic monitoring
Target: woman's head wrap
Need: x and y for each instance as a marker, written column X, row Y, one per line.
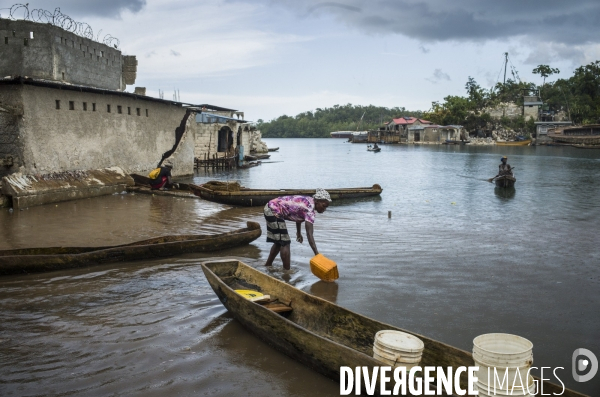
column 322, row 194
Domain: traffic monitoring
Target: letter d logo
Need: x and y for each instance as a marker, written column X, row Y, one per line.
column 582, row 364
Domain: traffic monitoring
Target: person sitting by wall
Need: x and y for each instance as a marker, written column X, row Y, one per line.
column 163, row 178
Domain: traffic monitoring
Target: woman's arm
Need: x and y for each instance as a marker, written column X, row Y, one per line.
column 311, row 239
column 299, row 237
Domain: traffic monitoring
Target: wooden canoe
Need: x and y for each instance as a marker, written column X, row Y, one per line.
column 514, row 143
column 34, row 260
column 505, row 181
column 274, row 149
column 318, row 333
column 257, row 197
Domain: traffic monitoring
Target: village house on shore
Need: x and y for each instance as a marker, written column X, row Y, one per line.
column 64, row 109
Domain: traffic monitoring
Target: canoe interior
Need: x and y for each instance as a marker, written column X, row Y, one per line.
column 505, row 181
column 336, row 326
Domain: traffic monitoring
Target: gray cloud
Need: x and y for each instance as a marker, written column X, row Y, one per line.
column 79, row 9
column 438, row 76
column 464, row 20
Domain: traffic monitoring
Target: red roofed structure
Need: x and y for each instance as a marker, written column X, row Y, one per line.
column 406, row 121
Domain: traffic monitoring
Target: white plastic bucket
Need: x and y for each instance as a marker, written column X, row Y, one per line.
column 397, row 348
column 396, row 364
column 503, row 349
column 516, row 392
column 510, row 356
column 408, row 358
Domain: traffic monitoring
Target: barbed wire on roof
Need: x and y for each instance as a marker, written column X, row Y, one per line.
column 56, row 18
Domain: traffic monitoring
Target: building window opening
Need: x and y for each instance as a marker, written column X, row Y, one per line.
column 93, row 107
column 138, row 111
column 119, row 109
column 146, row 112
column 128, row 110
column 31, row 35
column 58, row 104
column 108, row 108
column 25, row 42
column 85, row 106
column 6, row 40
column 14, row 33
column 71, row 105
column 83, row 53
column 225, row 140
column 63, row 75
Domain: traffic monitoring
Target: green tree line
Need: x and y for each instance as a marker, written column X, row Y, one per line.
column 578, row 96
column 321, row 122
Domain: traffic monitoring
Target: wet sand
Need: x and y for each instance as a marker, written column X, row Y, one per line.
column 457, row 259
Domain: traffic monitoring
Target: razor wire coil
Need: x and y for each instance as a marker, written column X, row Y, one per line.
column 57, row 18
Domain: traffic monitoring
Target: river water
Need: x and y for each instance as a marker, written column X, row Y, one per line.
column 458, row 258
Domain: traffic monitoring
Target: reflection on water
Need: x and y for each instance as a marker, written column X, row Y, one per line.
column 325, row 290
column 505, row 192
column 454, row 261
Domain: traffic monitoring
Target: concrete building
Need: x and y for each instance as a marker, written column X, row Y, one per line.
column 431, row 133
column 48, row 52
column 63, row 108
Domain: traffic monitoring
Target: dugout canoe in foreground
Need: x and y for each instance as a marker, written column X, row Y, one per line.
column 36, row 260
column 256, row 197
column 316, row 332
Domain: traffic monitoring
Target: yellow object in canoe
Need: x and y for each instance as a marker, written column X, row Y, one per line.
column 248, row 293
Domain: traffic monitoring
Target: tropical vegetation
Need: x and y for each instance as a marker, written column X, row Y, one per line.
column 577, row 96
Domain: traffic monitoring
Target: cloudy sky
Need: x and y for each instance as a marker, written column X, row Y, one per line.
column 274, row 57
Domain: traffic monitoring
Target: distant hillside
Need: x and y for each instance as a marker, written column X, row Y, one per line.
column 321, row 122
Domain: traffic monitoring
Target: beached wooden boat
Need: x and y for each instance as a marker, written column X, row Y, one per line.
column 256, row 197
column 318, row 333
column 526, row 142
column 273, row 149
column 34, row 260
column 505, row 181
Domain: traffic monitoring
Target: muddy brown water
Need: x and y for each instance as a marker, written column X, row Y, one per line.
column 457, row 259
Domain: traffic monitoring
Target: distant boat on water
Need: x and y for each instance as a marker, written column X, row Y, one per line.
column 341, row 134
column 526, row 142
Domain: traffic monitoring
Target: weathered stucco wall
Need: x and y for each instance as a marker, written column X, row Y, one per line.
column 81, row 134
column 48, row 52
column 11, row 153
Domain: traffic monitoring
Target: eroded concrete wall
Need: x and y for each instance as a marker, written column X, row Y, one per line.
column 48, row 52
column 81, row 134
column 11, row 110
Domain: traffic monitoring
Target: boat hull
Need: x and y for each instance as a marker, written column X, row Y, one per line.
column 35, row 260
column 526, row 142
column 318, row 333
column 258, row 197
column 505, row 181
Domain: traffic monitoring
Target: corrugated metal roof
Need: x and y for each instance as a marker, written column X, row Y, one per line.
column 409, row 121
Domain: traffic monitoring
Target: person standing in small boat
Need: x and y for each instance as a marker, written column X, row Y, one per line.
column 504, row 168
column 298, row 209
column 163, row 178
